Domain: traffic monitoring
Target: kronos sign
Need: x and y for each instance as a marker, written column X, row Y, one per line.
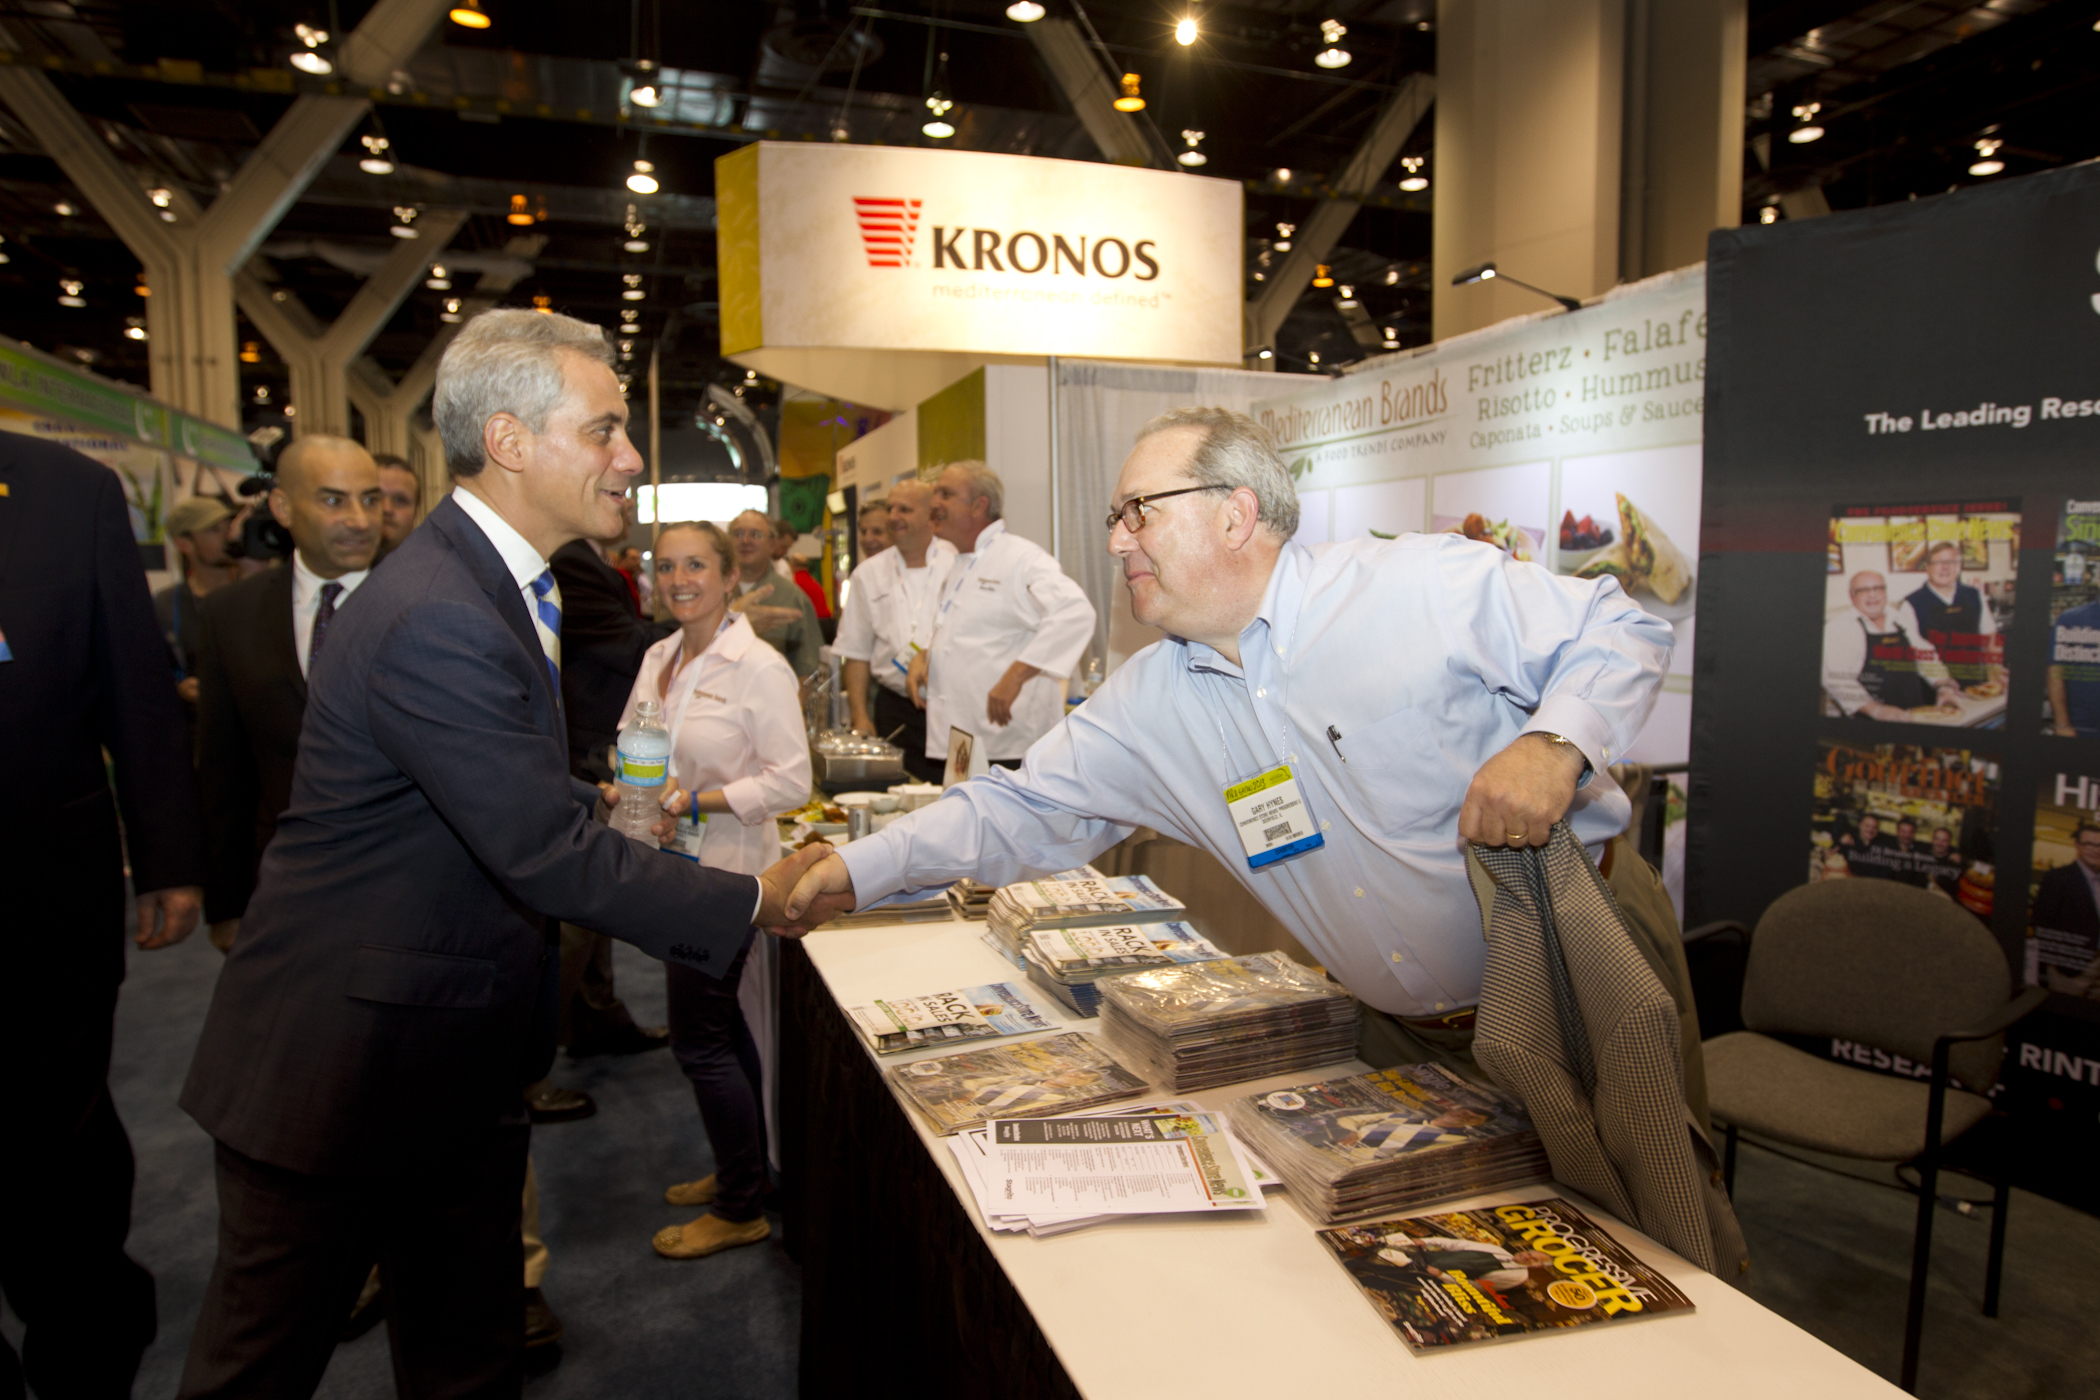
column 893, row 249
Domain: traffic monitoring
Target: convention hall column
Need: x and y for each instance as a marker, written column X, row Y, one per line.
column 1580, row 143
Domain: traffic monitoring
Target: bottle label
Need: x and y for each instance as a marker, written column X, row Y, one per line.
column 639, row 771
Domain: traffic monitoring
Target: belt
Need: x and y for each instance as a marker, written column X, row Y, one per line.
column 1459, row 1020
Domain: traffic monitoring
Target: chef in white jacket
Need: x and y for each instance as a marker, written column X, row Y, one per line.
column 1009, row 629
column 734, row 712
column 888, row 619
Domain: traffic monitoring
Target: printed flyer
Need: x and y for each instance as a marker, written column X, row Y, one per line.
column 2073, row 705
column 1920, row 816
column 2063, row 912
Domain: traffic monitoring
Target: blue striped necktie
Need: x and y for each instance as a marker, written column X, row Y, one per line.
column 547, row 622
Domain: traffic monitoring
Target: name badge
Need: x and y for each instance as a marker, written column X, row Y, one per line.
column 1271, row 817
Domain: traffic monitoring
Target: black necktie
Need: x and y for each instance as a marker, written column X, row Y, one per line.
column 329, row 593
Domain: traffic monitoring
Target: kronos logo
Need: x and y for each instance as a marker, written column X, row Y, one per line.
column 889, row 230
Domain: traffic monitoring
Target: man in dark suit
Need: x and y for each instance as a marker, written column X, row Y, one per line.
column 2067, row 918
column 255, row 647
column 393, row 989
column 602, row 639
column 83, row 668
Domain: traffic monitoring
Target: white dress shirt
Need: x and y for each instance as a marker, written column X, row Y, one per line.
column 524, row 562
column 306, row 603
column 1426, row 656
column 889, row 612
column 1845, row 654
column 1006, row 601
column 734, row 714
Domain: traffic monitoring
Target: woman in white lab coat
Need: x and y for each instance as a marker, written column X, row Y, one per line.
column 734, row 713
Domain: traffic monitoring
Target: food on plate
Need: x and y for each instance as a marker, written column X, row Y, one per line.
column 1644, row 558
column 1503, row 535
column 1932, row 712
column 1986, row 690
column 1585, row 533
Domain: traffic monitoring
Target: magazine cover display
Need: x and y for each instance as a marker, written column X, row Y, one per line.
column 1070, row 963
column 1507, row 1271
column 898, row 1024
column 2072, row 705
column 1016, row 911
column 2063, row 910
column 1920, row 816
column 1220, row 1022
column 1390, row 1140
column 1917, row 601
column 1059, row 1074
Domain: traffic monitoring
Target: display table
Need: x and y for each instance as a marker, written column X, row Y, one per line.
column 904, row 1287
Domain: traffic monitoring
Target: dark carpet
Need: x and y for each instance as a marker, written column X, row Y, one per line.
column 636, row 1325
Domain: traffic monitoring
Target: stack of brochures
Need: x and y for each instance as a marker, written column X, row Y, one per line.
column 1219, row 1022
column 1048, row 1176
column 973, row 901
column 896, row 1024
column 1390, row 1140
column 1068, row 962
column 1065, row 1073
column 918, row 911
column 1508, row 1271
column 1018, row 910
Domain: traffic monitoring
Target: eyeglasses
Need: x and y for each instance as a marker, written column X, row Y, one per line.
column 1132, row 512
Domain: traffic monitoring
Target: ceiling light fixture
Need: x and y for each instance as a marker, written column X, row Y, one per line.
column 69, row 290
column 64, row 210
column 1192, row 157
column 251, row 352
column 1416, row 181
column 1392, row 277
column 543, row 303
column 1130, row 101
column 645, row 96
column 439, row 279
column 1025, row 12
column 404, row 221
column 1322, row 277
column 376, row 161
column 1987, row 162
column 643, row 180
column 160, row 197
column 262, row 393
column 1283, row 237
column 1314, row 357
column 635, row 228
column 1266, row 355
column 939, row 104
column 134, row 328
column 634, row 290
column 1185, row 31
column 1486, row 273
column 307, row 60
column 451, row 312
column 1348, row 297
column 1806, row 127
column 1769, row 214
column 1334, row 55
column 520, row 211
column 468, row 14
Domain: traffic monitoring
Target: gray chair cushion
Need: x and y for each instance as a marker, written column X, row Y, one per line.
column 1771, row 1089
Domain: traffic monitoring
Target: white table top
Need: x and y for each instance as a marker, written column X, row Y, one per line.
column 1272, row 1312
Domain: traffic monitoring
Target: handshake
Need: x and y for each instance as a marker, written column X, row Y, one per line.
column 806, row 889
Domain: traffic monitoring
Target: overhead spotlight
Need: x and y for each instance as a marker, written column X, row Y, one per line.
column 451, row 313
column 636, row 245
column 643, row 180
column 1322, row 277
column 69, row 292
column 1806, row 127
column 469, row 15
column 634, row 290
column 645, row 96
column 1283, row 237
column 1347, row 299
column 1283, row 177
column 1025, row 12
column 635, row 228
column 251, row 352
column 134, row 328
column 64, row 209
column 1334, row 55
column 161, row 198
column 1130, row 101
column 1987, row 162
column 1769, row 214
column 628, row 313
column 439, row 279
column 1192, row 157
column 1416, row 181
column 404, row 221
column 543, row 304
column 1266, row 355
column 376, row 161
column 308, row 59
column 1486, row 273
column 1392, row 277
column 1314, row 357
column 1185, row 31
column 262, row 393
column 1392, row 333
column 937, row 126
column 520, row 211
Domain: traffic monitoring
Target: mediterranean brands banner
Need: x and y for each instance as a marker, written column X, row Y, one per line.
column 1900, row 604
column 1569, row 439
column 841, row 257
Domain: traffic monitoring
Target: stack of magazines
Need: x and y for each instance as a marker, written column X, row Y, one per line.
column 973, row 901
column 1390, row 1141
column 1211, row 1023
column 1067, row 1073
column 1068, row 962
column 918, row 911
column 1018, row 910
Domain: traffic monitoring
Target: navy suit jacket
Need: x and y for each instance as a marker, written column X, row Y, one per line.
column 251, row 700
column 394, row 985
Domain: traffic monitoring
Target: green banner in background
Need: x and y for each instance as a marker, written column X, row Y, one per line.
column 35, row 383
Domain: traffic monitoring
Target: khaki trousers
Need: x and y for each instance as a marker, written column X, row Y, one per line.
column 535, row 1247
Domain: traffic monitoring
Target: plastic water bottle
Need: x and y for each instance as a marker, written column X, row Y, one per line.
column 644, row 753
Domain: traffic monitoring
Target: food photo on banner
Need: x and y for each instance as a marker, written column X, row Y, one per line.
column 1916, row 606
column 1905, row 468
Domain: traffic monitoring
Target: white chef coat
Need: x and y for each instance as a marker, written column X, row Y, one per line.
column 891, row 606
column 1004, row 602
column 306, row 604
column 734, row 714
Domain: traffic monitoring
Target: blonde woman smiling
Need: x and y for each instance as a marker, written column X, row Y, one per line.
column 733, row 710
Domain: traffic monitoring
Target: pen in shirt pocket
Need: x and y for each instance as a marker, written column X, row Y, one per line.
column 1334, row 737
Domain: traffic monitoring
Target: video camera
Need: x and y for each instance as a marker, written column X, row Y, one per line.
column 261, row 537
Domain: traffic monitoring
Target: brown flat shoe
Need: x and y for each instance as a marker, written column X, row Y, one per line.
column 710, row 1234
column 691, row 1193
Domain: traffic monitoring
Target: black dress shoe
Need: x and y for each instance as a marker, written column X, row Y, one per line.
column 542, row 1327
column 629, row 1039
column 550, row 1103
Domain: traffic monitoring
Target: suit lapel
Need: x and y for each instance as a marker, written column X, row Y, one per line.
column 282, row 635
column 489, row 571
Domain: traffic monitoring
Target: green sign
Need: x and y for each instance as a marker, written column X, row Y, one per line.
column 36, row 384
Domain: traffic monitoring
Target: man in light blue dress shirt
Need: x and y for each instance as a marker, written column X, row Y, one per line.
column 1424, row 692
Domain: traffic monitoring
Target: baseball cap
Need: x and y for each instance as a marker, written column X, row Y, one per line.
column 196, row 513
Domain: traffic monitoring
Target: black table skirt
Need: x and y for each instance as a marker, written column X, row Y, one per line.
column 899, row 1294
